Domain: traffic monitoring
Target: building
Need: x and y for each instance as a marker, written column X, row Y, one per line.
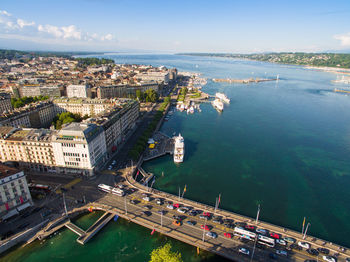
column 82, row 91
column 79, row 148
column 14, row 192
column 5, row 103
column 90, row 107
column 126, row 91
column 37, row 90
column 38, row 114
column 117, row 122
column 28, row 148
column 158, row 76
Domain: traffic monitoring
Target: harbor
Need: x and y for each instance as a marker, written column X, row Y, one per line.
column 243, row 81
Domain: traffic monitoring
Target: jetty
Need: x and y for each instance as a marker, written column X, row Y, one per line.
column 243, row 81
column 162, row 145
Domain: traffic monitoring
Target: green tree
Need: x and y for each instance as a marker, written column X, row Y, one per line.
column 139, row 95
column 164, row 254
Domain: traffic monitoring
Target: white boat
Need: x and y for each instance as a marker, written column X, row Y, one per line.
column 222, row 97
column 191, row 110
column 179, row 149
column 218, row 105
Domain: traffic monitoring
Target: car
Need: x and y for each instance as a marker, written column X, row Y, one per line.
column 289, row 240
column 176, row 205
column 147, row 207
column 329, row 259
column 347, row 259
column 177, row 222
column 274, row 235
column 261, row 231
column 203, row 217
column 295, row 246
column 205, row 227
column 228, row 225
column 312, row 251
column 121, row 186
column 282, row 253
column 228, row 235
column 212, row 234
column 192, row 213
column 323, row 250
column 176, row 217
column 249, row 227
column 147, row 213
column 191, row 223
column 304, row 244
column 182, row 210
column 228, row 221
column 146, row 198
column 133, row 201
column 159, row 201
column 161, row 212
column 207, row 214
column 240, row 224
column 244, row 251
column 281, row 242
column 217, row 221
column 170, row 206
column 110, row 168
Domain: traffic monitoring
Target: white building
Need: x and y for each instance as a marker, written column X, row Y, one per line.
column 83, row 91
column 14, row 192
column 161, row 77
column 80, row 148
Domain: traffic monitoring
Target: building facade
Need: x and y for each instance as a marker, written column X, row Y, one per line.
column 36, row 90
column 14, row 192
column 5, row 103
column 82, row 91
column 79, row 148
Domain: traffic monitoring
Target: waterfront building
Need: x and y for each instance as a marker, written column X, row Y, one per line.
column 90, row 107
column 158, row 76
column 37, row 90
column 14, row 192
column 38, row 114
column 117, row 122
column 82, row 91
column 79, row 148
column 126, row 91
column 5, row 103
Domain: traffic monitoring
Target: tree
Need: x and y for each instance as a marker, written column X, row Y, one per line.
column 139, row 95
column 164, row 254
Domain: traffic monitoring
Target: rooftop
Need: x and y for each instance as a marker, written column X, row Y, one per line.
column 6, row 171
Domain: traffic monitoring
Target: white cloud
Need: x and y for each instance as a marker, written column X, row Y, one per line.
column 344, row 39
column 20, row 28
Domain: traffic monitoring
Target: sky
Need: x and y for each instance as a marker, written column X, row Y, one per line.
column 233, row 26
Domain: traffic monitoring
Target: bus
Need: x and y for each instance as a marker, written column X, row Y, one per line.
column 239, row 231
column 105, row 188
column 118, row 192
column 39, row 186
column 267, row 241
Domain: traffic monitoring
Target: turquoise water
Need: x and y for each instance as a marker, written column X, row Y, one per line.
column 283, row 146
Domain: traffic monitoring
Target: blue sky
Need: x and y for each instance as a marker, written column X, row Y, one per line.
column 176, row 26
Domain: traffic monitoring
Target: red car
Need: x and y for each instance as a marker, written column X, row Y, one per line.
column 205, row 227
column 176, row 205
column 274, row 235
column 228, row 235
column 249, row 227
column 207, row 214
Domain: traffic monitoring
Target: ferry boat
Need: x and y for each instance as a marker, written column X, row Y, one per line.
column 222, row 97
column 179, row 149
column 218, row 105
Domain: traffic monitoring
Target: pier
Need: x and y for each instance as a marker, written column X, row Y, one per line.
column 244, row 81
column 163, row 145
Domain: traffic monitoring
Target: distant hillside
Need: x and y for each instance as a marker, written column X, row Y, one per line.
column 310, row 59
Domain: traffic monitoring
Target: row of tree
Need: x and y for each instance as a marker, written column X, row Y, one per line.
column 66, row 118
column 91, row 61
column 149, row 95
column 142, row 142
column 20, row 102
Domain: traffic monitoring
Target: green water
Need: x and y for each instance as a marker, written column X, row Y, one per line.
column 283, row 146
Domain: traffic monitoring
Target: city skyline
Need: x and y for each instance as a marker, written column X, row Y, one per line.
column 225, row 26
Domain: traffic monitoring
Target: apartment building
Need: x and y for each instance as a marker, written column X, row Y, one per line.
column 82, row 91
column 158, row 76
column 5, row 103
column 90, row 107
column 14, row 192
column 37, row 90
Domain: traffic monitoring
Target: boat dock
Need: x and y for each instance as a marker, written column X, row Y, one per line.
column 77, row 230
column 146, row 177
column 163, row 145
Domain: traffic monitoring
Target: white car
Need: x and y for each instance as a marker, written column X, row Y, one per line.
column 146, row 198
column 282, row 253
column 212, row 234
column 243, row 251
column 329, row 259
column 170, row 206
column 304, row 245
column 281, row 242
column 182, row 210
